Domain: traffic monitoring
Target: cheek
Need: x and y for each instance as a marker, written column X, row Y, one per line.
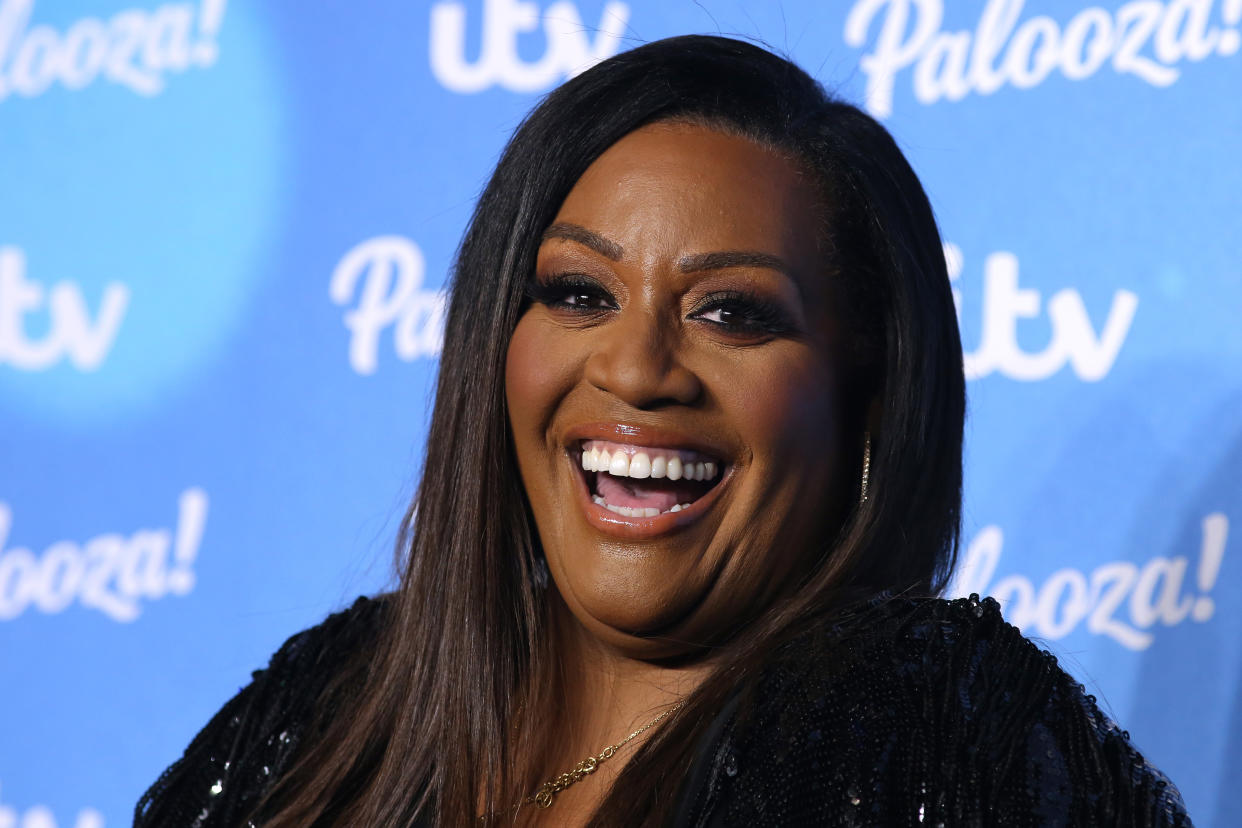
column 791, row 501
column 538, row 374
column 786, row 406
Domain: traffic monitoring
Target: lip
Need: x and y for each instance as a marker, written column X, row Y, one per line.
column 650, row 436
column 642, row 528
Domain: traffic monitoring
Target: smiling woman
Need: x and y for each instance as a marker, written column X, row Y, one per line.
column 664, row 387
column 692, row 486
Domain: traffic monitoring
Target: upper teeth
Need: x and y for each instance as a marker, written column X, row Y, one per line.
column 646, row 463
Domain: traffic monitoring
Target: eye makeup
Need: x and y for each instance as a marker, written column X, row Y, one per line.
column 744, row 312
column 570, row 291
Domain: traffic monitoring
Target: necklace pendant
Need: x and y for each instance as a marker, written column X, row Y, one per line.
column 543, row 798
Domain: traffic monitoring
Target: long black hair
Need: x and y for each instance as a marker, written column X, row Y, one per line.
column 465, row 638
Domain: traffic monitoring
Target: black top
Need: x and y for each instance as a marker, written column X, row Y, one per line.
column 919, row 712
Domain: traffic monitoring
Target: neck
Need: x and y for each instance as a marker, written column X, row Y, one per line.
column 582, row 697
column 605, row 686
column 594, row 697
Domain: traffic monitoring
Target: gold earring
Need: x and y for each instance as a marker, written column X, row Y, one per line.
column 866, row 472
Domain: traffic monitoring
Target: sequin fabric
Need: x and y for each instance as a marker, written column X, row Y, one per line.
column 916, row 712
column 935, row 713
column 248, row 744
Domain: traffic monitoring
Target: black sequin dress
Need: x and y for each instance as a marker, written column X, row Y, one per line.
column 928, row 712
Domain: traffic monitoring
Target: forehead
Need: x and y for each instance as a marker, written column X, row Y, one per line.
column 672, row 189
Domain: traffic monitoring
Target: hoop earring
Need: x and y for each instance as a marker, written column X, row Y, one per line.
column 866, row 471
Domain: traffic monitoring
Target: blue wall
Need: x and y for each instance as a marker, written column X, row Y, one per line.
column 223, row 233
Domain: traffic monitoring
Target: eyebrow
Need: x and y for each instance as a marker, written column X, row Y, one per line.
column 732, row 258
column 687, row 264
column 576, row 233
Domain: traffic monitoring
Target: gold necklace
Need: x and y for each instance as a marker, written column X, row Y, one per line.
column 543, row 797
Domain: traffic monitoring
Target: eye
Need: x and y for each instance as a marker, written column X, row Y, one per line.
column 742, row 313
column 571, row 292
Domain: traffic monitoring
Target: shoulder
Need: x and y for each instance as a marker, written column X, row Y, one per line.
column 929, row 708
column 243, row 749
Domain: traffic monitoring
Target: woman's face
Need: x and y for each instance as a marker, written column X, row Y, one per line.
column 681, row 327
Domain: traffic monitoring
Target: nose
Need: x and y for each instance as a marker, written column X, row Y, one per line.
column 638, row 359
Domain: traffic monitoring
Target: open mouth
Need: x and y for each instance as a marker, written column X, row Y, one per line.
column 643, row 482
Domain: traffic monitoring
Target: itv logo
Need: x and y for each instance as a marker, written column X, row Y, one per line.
column 1074, row 341
column 72, row 332
column 569, row 51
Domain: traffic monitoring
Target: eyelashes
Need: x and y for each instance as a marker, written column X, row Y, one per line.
column 744, row 311
column 735, row 312
column 570, row 292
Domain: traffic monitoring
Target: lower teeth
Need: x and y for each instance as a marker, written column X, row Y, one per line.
column 637, row 511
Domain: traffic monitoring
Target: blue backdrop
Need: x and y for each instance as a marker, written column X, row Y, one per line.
column 223, row 234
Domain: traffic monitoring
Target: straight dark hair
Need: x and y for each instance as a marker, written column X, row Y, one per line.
column 421, row 726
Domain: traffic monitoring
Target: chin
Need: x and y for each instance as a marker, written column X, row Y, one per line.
column 641, row 617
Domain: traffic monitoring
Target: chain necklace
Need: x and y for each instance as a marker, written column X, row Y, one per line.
column 543, row 797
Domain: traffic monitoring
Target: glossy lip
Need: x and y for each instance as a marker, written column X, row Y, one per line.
column 641, row 528
column 649, row 436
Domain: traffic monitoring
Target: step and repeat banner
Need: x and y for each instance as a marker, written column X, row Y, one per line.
column 224, row 233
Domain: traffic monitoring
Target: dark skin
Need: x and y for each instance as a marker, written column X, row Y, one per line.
column 738, row 352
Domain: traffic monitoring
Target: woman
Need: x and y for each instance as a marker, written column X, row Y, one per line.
column 692, row 481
